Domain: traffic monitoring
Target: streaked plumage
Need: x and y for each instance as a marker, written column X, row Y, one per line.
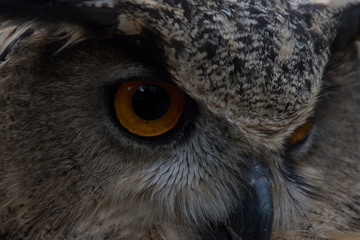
column 253, row 72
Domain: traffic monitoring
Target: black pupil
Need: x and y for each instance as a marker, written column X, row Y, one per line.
column 150, row 102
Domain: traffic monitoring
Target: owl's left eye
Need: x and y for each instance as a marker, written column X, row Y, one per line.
column 301, row 133
column 148, row 109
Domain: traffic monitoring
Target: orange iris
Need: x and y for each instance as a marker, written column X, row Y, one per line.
column 301, row 133
column 148, row 108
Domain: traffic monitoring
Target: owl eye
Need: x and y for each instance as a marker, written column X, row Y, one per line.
column 301, row 133
column 148, row 108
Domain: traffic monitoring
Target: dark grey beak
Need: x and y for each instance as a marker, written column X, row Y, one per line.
column 259, row 210
column 254, row 218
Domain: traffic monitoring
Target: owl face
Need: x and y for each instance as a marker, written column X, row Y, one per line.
column 173, row 120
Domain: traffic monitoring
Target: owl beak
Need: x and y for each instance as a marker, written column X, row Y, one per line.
column 258, row 207
column 254, row 218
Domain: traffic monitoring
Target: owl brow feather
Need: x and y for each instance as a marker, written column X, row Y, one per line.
column 9, row 36
column 97, row 22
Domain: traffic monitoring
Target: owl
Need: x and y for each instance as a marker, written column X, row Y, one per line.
column 179, row 119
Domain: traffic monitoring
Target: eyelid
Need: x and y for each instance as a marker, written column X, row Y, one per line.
column 127, row 72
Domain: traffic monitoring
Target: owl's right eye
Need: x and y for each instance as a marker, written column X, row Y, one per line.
column 148, row 109
column 301, row 133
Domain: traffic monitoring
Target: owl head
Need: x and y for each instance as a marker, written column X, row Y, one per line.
column 191, row 119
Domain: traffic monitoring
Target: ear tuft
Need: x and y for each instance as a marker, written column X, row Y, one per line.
column 349, row 27
column 99, row 19
column 337, row 3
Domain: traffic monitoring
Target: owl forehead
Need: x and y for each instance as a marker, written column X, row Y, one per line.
column 246, row 59
column 254, row 60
